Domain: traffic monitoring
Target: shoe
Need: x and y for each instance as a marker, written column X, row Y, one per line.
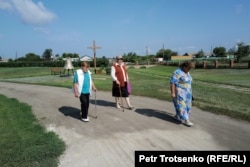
column 131, row 107
column 188, row 123
column 85, row 119
column 118, row 106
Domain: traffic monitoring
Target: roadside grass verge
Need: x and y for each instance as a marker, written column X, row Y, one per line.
column 23, row 141
column 219, row 100
column 236, row 77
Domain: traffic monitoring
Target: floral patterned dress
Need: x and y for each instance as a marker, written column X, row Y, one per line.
column 183, row 91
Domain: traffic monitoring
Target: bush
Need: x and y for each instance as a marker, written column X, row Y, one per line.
column 132, row 67
column 108, row 70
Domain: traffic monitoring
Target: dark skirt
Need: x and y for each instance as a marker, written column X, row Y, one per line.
column 119, row 91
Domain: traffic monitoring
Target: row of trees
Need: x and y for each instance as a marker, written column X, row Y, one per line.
column 242, row 50
column 46, row 56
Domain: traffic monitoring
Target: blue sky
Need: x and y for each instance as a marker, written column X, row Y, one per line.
column 121, row 26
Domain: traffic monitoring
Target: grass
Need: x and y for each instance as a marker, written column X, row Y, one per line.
column 237, row 77
column 20, row 72
column 23, row 141
column 221, row 91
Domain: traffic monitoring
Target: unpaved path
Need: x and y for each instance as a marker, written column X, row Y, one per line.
column 111, row 139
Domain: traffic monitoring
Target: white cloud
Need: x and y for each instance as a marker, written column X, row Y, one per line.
column 5, row 5
column 30, row 12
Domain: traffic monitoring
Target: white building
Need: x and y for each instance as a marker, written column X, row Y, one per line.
column 86, row 58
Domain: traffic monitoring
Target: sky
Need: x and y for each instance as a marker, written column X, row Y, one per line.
column 121, row 26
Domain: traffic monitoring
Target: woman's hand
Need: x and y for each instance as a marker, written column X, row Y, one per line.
column 76, row 94
column 173, row 95
column 117, row 82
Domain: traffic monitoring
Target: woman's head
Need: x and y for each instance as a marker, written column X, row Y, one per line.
column 119, row 59
column 85, row 66
column 186, row 66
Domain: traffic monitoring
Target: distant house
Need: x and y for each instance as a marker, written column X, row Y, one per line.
column 86, row 58
column 159, row 59
column 207, row 55
column 3, row 60
column 186, row 56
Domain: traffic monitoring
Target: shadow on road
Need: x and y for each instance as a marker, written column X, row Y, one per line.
column 102, row 103
column 70, row 111
column 157, row 114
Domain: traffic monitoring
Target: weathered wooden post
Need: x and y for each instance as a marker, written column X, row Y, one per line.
column 204, row 64
column 231, row 63
column 216, row 63
column 194, row 64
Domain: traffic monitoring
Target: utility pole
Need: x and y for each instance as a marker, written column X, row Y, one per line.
column 163, row 51
column 146, row 50
column 94, row 47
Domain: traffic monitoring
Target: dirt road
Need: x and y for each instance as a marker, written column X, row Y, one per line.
column 111, row 139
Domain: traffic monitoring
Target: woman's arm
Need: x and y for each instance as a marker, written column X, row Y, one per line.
column 93, row 86
column 172, row 89
column 114, row 78
column 75, row 87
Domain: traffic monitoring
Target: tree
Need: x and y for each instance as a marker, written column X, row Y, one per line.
column 32, row 57
column 71, row 55
column 64, row 55
column 130, row 57
column 47, row 54
column 232, row 51
column 166, row 54
column 75, row 55
column 200, row 54
column 102, row 62
column 219, row 51
column 243, row 51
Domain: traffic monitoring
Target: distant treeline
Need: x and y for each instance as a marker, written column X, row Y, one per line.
column 100, row 62
column 36, row 64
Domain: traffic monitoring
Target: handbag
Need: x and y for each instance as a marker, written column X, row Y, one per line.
column 129, row 89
